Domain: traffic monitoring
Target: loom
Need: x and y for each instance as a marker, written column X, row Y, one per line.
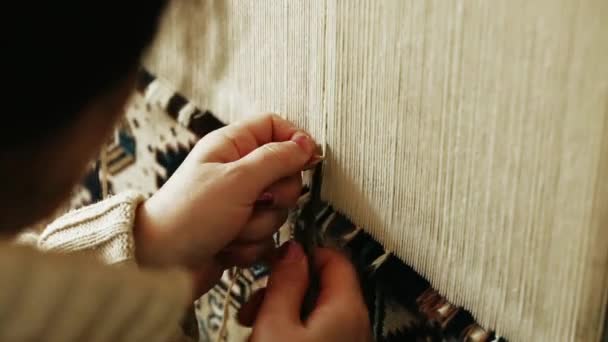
column 468, row 137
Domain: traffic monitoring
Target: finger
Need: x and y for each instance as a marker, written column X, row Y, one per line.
column 270, row 163
column 240, row 138
column 286, row 288
column 245, row 255
column 339, row 284
column 262, row 224
column 268, row 127
column 249, row 311
column 204, row 278
column 285, row 192
column 338, row 276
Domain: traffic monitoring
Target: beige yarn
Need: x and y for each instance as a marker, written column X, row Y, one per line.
column 234, row 274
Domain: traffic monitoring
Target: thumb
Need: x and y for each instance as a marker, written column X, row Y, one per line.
column 286, row 288
column 273, row 161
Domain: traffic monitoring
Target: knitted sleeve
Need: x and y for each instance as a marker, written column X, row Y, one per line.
column 59, row 297
column 104, row 229
column 56, row 297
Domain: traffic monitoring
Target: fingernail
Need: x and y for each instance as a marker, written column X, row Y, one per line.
column 291, row 252
column 265, row 200
column 314, row 160
column 303, row 140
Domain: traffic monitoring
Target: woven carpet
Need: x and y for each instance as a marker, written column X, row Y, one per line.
column 160, row 128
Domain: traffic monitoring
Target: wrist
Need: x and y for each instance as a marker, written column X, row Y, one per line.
column 147, row 240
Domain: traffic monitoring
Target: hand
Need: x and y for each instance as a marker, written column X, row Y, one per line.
column 225, row 201
column 340, row 313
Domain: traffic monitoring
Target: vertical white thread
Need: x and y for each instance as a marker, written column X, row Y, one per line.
column 233, row 273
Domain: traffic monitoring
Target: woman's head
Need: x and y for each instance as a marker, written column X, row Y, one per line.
column 68, row 71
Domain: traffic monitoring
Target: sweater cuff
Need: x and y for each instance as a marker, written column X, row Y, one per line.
column 104, row 229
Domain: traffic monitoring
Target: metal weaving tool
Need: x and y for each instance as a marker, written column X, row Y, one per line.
column 306, row 233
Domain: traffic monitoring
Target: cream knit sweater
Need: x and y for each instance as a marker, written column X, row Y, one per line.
column 96, row 293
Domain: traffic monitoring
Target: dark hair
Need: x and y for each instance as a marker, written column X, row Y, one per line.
column 58, row 56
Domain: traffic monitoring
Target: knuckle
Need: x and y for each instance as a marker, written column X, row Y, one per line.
column 211, row 136
column 268, row 117
column 208, row 145
column 202, row 143
column 273, row 151
column 233, row 172
column 285, row 154
column 271, row 116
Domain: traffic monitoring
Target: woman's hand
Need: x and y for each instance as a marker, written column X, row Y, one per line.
column 225, row 201
column 340, row 313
